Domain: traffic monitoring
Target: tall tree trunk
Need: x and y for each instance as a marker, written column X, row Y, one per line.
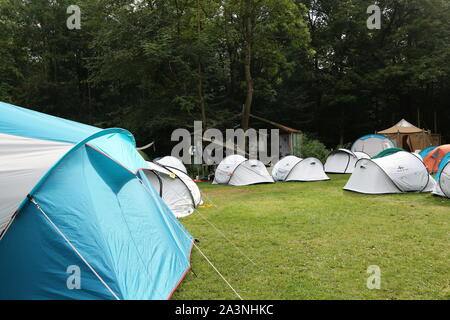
column 248, row 74
column 201, row 99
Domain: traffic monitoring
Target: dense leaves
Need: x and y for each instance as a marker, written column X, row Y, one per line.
column 154, row 65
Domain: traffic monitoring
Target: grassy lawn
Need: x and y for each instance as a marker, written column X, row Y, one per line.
column 315, row 241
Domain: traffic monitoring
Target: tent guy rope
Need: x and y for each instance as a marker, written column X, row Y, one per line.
column 199, row 250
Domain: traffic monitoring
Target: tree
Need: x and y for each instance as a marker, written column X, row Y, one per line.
column 153, row 66
column 262, row 33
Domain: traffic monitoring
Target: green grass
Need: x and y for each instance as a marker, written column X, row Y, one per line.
column 315, row 241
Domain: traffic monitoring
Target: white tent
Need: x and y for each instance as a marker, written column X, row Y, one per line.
column 372, row 144
column 437, row 190
column 417, row 154
column 442, row 187
column 343, row 161
column 172, row 162
column 397, row 173
column 235, row 170
column 292, row 168
column 176, row 188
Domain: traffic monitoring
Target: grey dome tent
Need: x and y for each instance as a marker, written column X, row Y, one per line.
column 292, row 168
column 343, row 161
column 177, row 189
column 372, row 144
column 398, row 173
column 235, row 170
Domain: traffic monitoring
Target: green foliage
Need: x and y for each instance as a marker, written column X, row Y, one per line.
column 313, row 148
column 151, row 66
column 144, row 155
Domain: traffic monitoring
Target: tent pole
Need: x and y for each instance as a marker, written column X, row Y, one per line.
column 8, row 224
column 33, row 201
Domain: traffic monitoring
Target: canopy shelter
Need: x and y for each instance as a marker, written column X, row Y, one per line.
column 408, row 136
column 177, row 189
column 434, row 157
column 172, row 162
column 343, row 161
column 372, row 144
column 387, row 152
column 77, row 202
column 235, row 170
column 397, row 173
column 292, row 168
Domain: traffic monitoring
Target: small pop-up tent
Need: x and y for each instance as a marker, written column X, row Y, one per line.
column 292, row 168
column 79, row 219
column 343, row 161
column 372, row 144
column 177, row 189
column 433, row 158
column 398, row 173
column 387, row 152
column 235, row 170
column 408, row 136
column 172, row 162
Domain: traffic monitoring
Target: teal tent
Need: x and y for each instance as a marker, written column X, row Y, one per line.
column 79, row 219
column 387, row 152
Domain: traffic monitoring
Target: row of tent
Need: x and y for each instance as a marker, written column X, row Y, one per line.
column 376, row 146
column 401, row 171
column 402, row 135
column 394, row 170
column 236, row 170
column 77, row 200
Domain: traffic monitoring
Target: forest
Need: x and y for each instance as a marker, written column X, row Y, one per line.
column 152, row 66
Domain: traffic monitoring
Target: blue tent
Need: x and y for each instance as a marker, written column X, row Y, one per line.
column 425, row 151
column 80, row 219
column 445, row 159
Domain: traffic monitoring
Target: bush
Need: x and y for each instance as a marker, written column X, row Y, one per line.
column 313, row 148
column 144, row 155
